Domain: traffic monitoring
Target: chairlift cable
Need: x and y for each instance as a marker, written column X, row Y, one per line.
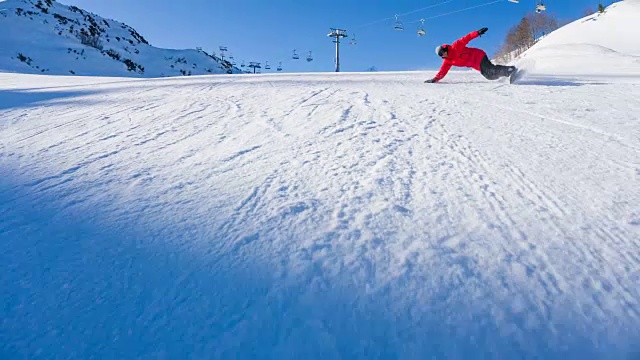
column 456, row 11
column 407, row 13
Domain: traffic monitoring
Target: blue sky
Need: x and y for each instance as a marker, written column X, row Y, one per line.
column 259, row 30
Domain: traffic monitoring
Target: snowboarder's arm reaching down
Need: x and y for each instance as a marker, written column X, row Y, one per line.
column 444, row 69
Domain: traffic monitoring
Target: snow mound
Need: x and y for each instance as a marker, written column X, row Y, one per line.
column 597, row 45
column 47, row 37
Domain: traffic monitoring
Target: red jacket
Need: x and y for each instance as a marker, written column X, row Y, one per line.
column 461, row 55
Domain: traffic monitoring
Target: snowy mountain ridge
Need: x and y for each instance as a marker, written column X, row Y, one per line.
column 44, row 36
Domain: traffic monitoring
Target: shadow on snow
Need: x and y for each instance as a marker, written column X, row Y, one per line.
column 83, row 284
column 16, row 99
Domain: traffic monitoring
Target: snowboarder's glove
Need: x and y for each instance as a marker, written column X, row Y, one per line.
column 482, row 31
column 430, row 81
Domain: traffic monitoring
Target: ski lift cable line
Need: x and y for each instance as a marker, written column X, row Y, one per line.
column 425, row 8
column 403, row 14
column 456, row 11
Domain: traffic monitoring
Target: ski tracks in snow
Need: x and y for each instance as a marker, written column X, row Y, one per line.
column 547, row 224
column 509, row 205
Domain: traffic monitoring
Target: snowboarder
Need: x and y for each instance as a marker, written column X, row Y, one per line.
column 458, row 54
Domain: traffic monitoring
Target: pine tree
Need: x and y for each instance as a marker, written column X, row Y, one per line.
column 600, row 8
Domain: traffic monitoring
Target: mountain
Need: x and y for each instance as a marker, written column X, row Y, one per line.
column 598, row 44
column 46, row 37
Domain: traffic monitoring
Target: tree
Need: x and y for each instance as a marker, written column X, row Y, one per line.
column 601, row 8
column 542, row 24
column 524, row 35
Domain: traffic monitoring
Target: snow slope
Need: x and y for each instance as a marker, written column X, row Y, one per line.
column 45, row 37
column 597, row 45
column 319, row 216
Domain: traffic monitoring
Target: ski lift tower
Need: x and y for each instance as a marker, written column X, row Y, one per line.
column 254, row 65
column 222, row 50
column 337, row 34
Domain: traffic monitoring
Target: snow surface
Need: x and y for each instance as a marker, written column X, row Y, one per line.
column 320, row 216
column 48, row 35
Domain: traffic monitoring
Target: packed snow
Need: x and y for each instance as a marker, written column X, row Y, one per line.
column 321, row 216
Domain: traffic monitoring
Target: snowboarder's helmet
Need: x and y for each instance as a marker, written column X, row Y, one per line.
column 441, row 49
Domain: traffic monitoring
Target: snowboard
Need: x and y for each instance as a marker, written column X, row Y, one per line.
column 516, row 76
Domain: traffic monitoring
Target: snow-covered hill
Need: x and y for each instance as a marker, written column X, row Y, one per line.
column 43, row 36
column 600, row 44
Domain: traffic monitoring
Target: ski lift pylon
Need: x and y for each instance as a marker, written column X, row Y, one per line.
column 398, row 23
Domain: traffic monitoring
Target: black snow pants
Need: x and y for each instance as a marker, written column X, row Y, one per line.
column 493, row 72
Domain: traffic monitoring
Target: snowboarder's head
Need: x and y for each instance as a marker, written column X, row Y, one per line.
column 443, row 51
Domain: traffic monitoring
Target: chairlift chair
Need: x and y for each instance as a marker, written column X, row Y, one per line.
column 309, row 57
column 398, row 24
column 279, row 66
column 295, row 55
column 353, row 40
column 540, row 7
column 267, row 66
column 421, row 31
